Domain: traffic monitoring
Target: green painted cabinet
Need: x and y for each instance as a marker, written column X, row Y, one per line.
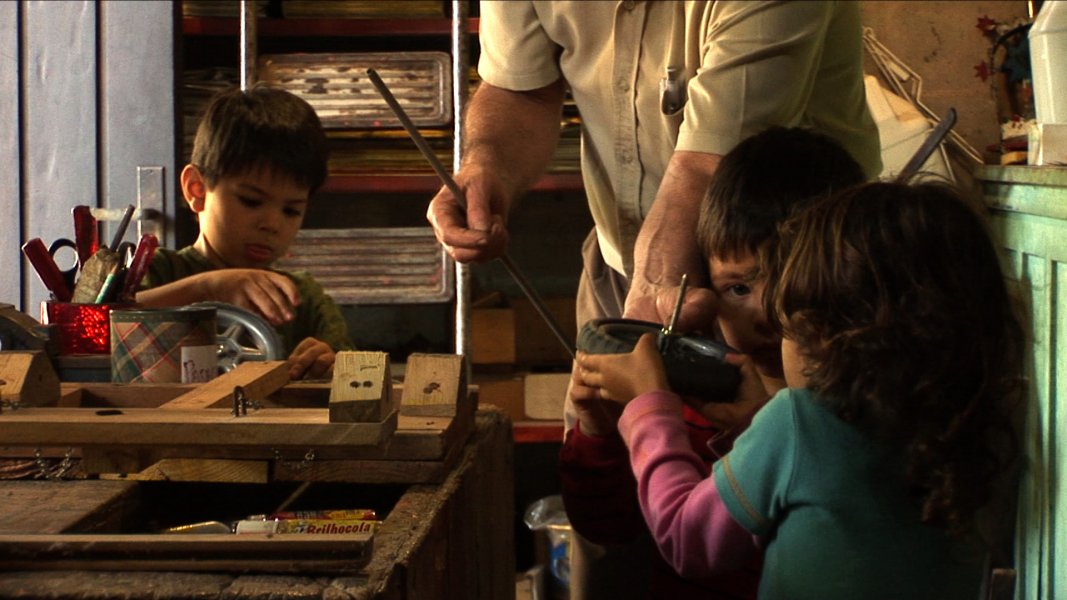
column 1029, row 214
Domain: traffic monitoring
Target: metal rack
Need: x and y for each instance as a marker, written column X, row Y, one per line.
column 460, row 65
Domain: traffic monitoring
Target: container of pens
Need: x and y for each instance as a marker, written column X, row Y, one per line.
column 80, row 328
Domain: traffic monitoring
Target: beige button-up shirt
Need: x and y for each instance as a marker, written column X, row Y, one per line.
column 742, row 66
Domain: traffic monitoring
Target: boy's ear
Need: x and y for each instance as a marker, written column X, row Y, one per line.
column 194, row 189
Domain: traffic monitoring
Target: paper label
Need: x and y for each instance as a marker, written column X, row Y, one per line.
column 199, row 363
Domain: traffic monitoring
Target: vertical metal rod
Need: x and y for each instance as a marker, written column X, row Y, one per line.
column 460, row 56
column 446, row 178
column 248, row 44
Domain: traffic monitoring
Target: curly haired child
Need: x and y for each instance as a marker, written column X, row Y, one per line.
column 758, row 184
column 864, row 478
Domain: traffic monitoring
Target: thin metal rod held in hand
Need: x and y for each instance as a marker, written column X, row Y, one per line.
column 668, row 329
column 677, row 305
column 450, row 183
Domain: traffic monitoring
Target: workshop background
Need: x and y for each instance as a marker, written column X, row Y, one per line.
column 99, row 94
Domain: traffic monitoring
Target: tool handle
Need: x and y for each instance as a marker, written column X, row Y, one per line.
column 142, row 259
column 46, row 269
column 85, row 234
column 115, row 280
column 121, row 231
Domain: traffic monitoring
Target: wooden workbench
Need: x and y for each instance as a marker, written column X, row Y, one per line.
column 449, row 540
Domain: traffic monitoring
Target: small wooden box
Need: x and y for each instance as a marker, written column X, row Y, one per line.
column 517, row 335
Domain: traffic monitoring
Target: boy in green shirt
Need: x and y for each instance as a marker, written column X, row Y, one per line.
column 257, row 158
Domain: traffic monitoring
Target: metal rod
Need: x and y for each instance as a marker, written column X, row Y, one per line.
column 248, row 44
column 677, row 306
column 930, row 144
column 450, row 183
column 668, row 329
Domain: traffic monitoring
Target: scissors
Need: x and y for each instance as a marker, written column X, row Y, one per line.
column 70, row 275
column 46, row 269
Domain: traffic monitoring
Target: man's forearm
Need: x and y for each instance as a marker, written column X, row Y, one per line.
column 666, row 246
column 513, row 134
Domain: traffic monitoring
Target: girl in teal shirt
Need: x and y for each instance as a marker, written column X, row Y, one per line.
column 866, row 477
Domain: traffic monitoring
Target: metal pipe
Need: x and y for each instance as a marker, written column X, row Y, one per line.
column 450, row 183
column 460, row 54
column 248, row 44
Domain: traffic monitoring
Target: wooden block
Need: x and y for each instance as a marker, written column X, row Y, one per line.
column 27, row 379
column 535, row 342
column 493, row 336
column 361, row 390
column 544, row 394
column 503, row 391
column 259, row 379
column 518, row 334
column 435, row 385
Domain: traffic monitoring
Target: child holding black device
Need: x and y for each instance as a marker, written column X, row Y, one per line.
column 758, row 184
column 865, row 477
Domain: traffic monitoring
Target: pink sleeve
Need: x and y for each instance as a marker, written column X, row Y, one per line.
column 690, row 523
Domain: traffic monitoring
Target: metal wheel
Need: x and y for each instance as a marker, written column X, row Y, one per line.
column 695, row 365
column 243, row 336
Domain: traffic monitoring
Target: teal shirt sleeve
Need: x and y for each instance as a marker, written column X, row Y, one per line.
column 754, row 479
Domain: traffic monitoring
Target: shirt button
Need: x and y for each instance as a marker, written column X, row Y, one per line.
column 623, row 85
column 628, row 5
column 626, row 157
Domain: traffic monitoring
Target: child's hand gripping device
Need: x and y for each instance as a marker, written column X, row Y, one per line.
column 695, row 366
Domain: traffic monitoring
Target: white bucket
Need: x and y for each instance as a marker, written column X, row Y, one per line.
column 1048, row 62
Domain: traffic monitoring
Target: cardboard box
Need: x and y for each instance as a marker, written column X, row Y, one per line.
column 544, row 394
column 505, row 391
column 517, row 335
column 1048, row 144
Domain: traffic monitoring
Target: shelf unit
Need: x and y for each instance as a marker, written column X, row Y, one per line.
column 292, row 35
column 266, row 27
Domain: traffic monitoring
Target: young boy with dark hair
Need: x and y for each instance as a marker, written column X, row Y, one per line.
column 257, row 158
column 757, row 186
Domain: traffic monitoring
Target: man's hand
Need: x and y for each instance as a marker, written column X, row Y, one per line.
column 478, row 234
column 311, row 359
column 656, row 305
column 623, row 377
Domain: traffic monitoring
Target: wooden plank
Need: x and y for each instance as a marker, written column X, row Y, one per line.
column 435, row 384
column 203, row 469
column 258, row 379
column 265, row 429
column 27, row 379
column 361, row 389
column 67, row 505
column 415, row 439
column 279, row 552
column 121, row 395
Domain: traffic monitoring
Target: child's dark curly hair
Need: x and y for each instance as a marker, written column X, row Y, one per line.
column 895, row 295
